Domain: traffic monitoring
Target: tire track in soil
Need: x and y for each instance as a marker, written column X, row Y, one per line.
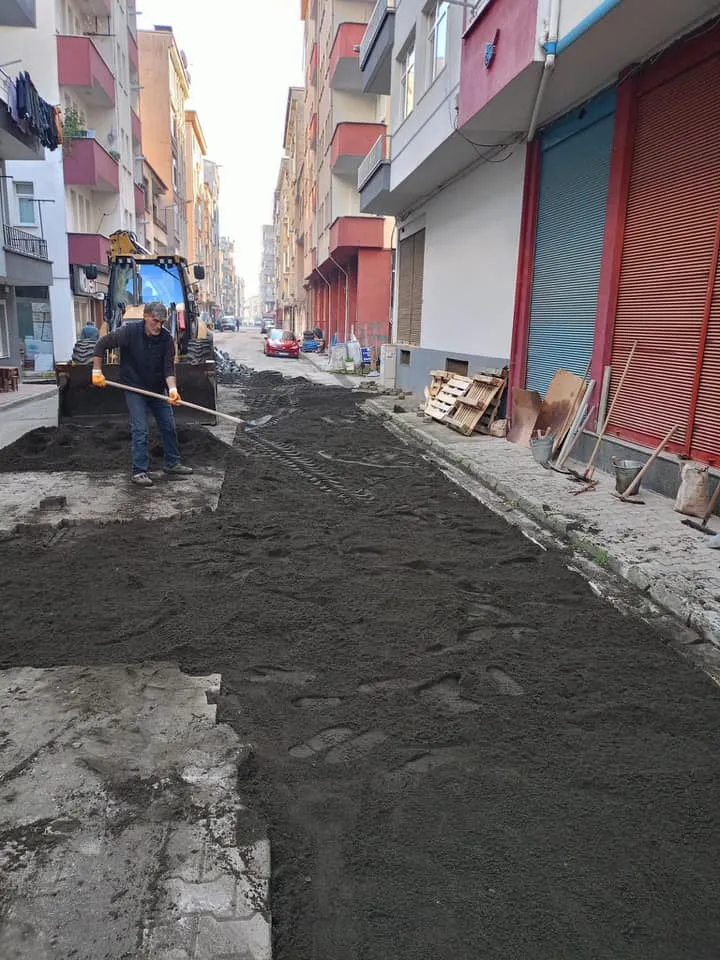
column 492, row 763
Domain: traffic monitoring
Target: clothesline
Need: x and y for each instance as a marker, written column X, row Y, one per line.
column 30, row 112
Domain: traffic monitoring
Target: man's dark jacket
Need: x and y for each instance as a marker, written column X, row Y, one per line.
column 145, row 362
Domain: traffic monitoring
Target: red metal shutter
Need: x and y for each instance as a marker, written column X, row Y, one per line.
column 672, row 214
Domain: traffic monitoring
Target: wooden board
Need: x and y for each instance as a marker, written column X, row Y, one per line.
column 561, row 396
column 483, row 396
column 525, row 409
column 439, row 379
column 440, row 406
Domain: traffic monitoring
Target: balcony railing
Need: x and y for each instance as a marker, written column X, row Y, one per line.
column 19, row 241
column 373, row 27
column 380, row 153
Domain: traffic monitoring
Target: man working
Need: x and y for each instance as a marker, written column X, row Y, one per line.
column 147, row 361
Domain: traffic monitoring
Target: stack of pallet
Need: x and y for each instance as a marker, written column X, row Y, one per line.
column 467, row 404
column 9, row 379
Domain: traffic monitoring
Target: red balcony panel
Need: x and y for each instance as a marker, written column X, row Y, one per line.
column 313, row 130
column 351, row 143
column 85, row 249
column 345, row 57
column 80, row 66
column 133, row 56
column 139, row 198
column 512, row 26
column 135, row 126
column 87, row 164
column 353, row 233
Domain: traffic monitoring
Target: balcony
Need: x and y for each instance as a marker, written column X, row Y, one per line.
column 88, row 164
column 26, row 260
column 81, row 67
column 86, row 249
column 345, row 60
column 133, row 56
column 374, row 177
column 18, row 13
column 313, row 131
column 14, row 144
column 376, row 48
column 348, row 234
column 350, row 145
column 135, row 126
column 97, row 8
column 139, row 198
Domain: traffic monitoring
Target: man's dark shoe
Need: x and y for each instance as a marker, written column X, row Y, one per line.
column 142, row 480
column 179, row 470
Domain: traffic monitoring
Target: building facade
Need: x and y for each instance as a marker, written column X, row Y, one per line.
column 267, row 280
column 212, row 243
column 26, row 270
column 346, row 251
column 554, row 203
column 229, row 286
column 152, row 226
column 289, row 204
column 164, row 91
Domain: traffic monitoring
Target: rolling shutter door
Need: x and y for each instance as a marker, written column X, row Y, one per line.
column 574, row 181
column 671, row 220
column 411, row 266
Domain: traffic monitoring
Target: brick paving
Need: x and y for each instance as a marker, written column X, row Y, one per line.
column 646, row 545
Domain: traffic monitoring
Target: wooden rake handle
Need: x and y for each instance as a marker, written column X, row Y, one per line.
column 182, row 403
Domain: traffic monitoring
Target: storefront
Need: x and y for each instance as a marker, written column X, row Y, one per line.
column 574, row 172
column 664, row 292
column 34, row 321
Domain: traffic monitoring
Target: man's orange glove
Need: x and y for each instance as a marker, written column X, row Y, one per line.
column 98, row 378
column 174, row 397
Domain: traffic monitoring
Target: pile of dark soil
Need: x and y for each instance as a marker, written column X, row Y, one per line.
column 460, row 752
column 101, row 447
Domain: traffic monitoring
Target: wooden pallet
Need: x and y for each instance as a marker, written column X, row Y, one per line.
column 438, row 381
column 443, row 405
column 477, row 409
column 9, row 379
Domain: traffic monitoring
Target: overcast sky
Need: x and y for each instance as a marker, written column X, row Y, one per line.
column 243, row 55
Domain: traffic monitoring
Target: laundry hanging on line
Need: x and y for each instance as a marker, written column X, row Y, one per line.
column 31, row 113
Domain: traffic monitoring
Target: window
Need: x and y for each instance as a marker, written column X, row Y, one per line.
column 407, row 83
column 437, row 38
column 4, row 335
column 24, row 195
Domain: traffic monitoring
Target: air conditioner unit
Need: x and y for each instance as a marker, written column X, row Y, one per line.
column 388, row 365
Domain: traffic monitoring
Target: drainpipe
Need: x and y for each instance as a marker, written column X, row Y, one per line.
column 550, row 48
column 329, row 286
column 347, row 296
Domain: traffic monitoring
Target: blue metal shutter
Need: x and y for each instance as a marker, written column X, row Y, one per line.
column 568, row 248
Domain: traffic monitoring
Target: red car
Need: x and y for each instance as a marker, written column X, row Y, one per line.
column 282, row 343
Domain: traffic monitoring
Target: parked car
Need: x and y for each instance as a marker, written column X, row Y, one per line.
column 282, row 343
column 267, row 326
column 228, row 324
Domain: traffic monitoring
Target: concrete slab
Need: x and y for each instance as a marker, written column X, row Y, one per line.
column 121, row 833
column 37, row 498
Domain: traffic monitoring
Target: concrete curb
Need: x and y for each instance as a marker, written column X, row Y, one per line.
column 21, row 401
column 690, row 614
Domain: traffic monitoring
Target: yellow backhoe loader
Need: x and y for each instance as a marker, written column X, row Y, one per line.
column 137, row 277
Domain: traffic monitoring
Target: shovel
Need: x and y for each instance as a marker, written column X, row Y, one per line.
column 245, row 424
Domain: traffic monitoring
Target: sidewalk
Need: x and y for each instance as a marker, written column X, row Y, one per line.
column 646, row 545
column 26, row 392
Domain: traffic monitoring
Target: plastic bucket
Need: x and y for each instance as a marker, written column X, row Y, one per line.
column 625, row 472
column 542, row 448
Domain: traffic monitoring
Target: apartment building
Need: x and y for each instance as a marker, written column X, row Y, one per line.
column 267, row 281
column 585, row 232
column 347, row 251
column 212, row 241
column 164, row 91
column 152, row 225
column 84, row 54
column 229, row 291
column 26, row 272
column 289, row 203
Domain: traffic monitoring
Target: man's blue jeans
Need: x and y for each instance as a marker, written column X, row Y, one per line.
column 138, row 408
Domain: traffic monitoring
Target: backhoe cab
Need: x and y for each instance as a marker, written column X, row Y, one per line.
column 137, row 277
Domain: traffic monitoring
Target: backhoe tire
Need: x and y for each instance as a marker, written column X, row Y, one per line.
column 198, row 351
column 83, row 352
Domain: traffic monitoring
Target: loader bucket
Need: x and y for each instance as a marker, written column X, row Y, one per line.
column 80, row 402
